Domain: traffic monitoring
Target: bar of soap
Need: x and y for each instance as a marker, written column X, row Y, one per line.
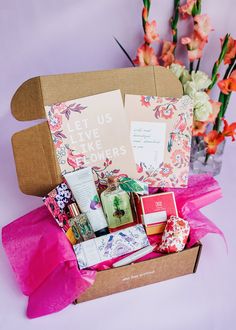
column 175, row 235
column 119, row 243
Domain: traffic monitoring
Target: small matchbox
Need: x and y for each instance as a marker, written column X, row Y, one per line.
column 154, row 210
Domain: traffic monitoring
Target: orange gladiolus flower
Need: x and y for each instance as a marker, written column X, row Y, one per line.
column 213, row 139
column 199, row 127
column 229, row 130
column 215, row 110
column 145, row 56
column 202, row 26
column 228, row 85
column 195, row 46
column 151, row 35
column 231, row 50
column 167, row 54
column 186, row 10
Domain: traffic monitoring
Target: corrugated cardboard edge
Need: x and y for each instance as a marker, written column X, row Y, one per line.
column 143, row 273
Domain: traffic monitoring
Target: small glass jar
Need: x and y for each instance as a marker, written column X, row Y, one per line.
column 116, row 206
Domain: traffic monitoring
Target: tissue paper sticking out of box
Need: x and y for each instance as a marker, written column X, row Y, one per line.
column 110, row 246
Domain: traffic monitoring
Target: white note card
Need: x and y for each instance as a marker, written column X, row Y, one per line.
column 148, row 143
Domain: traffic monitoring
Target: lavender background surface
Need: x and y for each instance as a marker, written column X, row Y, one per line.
column 61, row 36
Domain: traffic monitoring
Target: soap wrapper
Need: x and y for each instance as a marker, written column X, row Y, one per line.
column 97, row 250
column 175, row 235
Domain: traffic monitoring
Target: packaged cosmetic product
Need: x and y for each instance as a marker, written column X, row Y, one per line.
column 82, row 185
column 110, row 246
column 154, row 210
column 80, row 224
column 175, row 235
column 57, row 202
column 116, row 205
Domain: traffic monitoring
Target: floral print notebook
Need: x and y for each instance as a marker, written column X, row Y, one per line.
column 160, row 131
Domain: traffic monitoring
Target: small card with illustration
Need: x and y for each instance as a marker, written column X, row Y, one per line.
column 92, row 131
column 160, row 132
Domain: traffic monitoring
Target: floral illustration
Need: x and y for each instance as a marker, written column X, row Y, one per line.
column 179, row 158
column 145, row 100
column 95, row 203
column 75, row 160
column 102, row 173
column 55, row 122
column 165, row 111
column 57, row 201
column 166, row 169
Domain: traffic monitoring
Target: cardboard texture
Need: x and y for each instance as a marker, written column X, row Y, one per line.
column 143, row 273
column 38, row 171
column 33, row 147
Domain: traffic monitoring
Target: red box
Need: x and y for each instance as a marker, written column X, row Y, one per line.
column 154, row 210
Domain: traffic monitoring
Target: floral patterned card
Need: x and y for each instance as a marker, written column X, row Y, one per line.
column 161, row 130
column 92, row 131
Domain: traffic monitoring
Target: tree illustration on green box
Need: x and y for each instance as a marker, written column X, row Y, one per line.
column 119, row 213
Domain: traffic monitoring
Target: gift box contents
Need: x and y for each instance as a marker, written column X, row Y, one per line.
column 105, row 215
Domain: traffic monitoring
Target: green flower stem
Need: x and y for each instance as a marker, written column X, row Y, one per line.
column 146, row 4
column 224, row 98
column 198, row 65
column 174, row 21
column 218, row 62
column 190, row 67
column 197, row 8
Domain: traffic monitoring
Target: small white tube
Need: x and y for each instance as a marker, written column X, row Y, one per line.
column 135, row 256
column 82, row 185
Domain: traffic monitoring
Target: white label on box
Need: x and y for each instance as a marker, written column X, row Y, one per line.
column 148, row 142
column 156, row 217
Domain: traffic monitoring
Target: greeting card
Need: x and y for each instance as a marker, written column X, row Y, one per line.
column 92, row 131
column 160, row 132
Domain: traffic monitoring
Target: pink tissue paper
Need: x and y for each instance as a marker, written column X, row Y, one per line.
column 44, row 262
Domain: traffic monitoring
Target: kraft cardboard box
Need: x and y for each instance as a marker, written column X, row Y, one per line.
column 38, row 171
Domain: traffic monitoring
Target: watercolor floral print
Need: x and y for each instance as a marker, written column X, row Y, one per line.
column 57, row 202
column 84, row 133
column 177, row 113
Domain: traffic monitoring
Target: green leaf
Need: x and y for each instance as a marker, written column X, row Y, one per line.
column 130, row 185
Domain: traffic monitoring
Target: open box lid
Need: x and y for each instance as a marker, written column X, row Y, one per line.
column 37, row 168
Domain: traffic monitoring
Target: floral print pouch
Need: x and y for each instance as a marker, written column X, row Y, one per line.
column 57, row 202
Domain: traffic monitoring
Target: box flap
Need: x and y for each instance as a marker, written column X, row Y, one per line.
column 36, row 164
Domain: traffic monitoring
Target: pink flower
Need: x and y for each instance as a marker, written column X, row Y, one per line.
column 215, row 110
column 178, row 157
column 55, row 121
column 167, row 54
column 186, row 145
column 145, row 56
column 202, row 26
column 152, row 182
column 186, row 10
column 58, row 144
column 166, row 112
column 139, row 168
column 195, row 46
column 145, row 101
column 199, row 127
column 150, row 32
column 58, row 107
column 231, row 50
column 166, row 170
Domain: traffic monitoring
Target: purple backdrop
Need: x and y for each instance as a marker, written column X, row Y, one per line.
column 49, row 37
